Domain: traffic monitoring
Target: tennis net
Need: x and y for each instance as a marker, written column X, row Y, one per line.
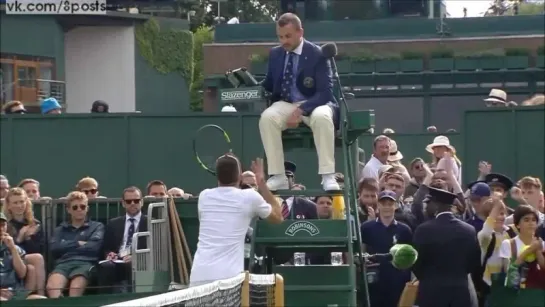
column 246, row 290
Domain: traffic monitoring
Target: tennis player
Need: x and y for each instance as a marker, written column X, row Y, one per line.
column 225, row 214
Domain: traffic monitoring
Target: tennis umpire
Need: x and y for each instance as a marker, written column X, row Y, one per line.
column 225, row 213
column 448, row 251
column 300, row 80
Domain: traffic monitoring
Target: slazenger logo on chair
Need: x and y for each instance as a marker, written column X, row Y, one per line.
column 308, row 227
column 240, row 95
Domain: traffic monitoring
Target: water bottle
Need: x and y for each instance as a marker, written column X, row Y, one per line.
column 299, row 259
column 336, row 258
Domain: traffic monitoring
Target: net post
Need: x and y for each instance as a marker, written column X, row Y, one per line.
column 278, row 291
column 245, row 295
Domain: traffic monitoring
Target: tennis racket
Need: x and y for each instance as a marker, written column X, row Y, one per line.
column 210, row 142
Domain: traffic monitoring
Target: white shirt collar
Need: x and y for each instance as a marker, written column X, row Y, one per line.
column 299, row 49
column 136, row 217
column 444, row 212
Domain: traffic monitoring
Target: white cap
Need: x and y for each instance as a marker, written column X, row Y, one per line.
column 228, row 108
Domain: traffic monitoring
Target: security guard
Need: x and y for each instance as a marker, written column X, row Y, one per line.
column 448, row 251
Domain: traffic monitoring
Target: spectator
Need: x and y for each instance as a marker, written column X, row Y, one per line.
column 381, row 152
column 75, row 247
column 156, row 188
column 324, row 206
column 117, row 270
column 4, row 186
column 438, row 148
column 100, row 106
column 178, row 193
column 432, row 129
column 396, row 184
column 228, row 109
column 530, row 192
column 13, row 270
column 493, row 230
column 417, row 174
column 28, row 233
column 50, row 106
column 31, row 187
column 248, row 180
column 536, row 100
column 496, row 98
column 14, row 107
column 367, row 199
column 387, row 131
column 525, row 243
column 378, row 236
column 479, row 193
column 88, row 186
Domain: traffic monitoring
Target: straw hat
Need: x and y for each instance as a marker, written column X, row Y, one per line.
column 395, row 155
column 497, row 95
column 440, row 140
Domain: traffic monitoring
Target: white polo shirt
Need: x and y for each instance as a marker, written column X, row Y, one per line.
column 225, row 213
column 370, row 170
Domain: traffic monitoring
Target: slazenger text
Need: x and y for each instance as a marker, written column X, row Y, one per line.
column 240, row 95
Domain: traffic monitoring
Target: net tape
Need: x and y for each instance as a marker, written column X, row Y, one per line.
column 225, row 292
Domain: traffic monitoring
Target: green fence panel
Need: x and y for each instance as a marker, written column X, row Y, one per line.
column 512, row 140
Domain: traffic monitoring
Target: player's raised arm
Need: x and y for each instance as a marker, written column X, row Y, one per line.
column 275, row 215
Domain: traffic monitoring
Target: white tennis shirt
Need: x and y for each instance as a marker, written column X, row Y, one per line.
column 225, row 213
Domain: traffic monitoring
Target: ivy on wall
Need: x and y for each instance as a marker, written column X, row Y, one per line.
column 167, row 51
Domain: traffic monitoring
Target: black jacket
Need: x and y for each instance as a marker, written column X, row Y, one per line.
column 35, row 244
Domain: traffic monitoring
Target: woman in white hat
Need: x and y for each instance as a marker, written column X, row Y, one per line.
column 438, row 148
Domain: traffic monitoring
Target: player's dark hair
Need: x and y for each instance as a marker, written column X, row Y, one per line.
column 228, row 170
column 523, row 210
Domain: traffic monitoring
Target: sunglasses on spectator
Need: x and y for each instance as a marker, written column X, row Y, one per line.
column 90, row 191
column 132, row 201
column 81, row 207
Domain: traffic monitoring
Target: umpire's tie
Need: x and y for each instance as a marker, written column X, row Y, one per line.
column 285, row 210
column 130, row 233
column 287, row 80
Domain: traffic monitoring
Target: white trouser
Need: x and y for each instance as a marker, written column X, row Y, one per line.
column 273, row 122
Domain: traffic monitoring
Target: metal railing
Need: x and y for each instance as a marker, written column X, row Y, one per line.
column 150, row 262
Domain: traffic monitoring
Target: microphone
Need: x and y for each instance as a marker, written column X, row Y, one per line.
column 329, row 50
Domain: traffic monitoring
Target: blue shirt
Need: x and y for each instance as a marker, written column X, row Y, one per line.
column 476, row 222
column 8, row 276
column 296, row 95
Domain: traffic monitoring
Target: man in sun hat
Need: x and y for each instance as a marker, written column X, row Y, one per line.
column 50, row 106
column 496, row 98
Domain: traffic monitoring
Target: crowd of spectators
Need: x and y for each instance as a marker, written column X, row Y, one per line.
column 82, row 251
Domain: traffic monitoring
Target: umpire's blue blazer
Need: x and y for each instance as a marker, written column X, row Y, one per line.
column 314, row 77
